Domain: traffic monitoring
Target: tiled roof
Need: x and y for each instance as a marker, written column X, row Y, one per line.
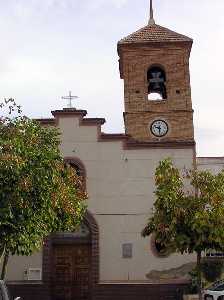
column 154, row 33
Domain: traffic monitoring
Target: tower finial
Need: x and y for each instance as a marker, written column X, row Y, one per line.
column 151, row 19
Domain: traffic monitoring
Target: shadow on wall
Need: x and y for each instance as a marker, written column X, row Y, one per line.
column 181, row 272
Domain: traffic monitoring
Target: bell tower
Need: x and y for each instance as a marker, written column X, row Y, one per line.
column 154, row 64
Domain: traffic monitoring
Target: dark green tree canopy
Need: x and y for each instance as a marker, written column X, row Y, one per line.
column 188, row 213
column 39, row 194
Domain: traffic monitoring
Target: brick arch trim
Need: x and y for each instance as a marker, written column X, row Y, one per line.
column 95, row 246
column 48, row 252
column 157, row 65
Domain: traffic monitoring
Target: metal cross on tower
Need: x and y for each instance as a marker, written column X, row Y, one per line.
column 69, row 98
column 151, row 19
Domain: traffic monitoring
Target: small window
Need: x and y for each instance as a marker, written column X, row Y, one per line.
column 158, row 248
column 78, row 167
column 156, row 78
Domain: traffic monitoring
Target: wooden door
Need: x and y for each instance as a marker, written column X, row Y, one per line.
column 71, row 272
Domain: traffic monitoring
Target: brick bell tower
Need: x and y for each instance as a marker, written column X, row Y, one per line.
column 154, row 63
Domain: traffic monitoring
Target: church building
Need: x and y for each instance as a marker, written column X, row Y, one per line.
column 107, row 258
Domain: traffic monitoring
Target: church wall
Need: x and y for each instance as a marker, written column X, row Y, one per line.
column 129, row 205
column 120, row 185
column 18, row 266
column 127, row 229
column 213, row 164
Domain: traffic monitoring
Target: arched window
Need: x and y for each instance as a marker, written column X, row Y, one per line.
column 158, row 249
column 156, row 78
column 79, row 168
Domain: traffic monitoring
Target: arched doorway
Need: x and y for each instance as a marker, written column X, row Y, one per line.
column 70, row 262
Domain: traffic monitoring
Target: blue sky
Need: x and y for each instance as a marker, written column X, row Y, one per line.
column 49, row 47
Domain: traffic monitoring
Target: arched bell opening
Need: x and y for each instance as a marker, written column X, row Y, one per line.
column 156, row 78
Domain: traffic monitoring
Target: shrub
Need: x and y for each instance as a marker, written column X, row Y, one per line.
column 212, row 269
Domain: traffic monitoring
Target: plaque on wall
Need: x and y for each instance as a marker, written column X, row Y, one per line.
column 127, row 250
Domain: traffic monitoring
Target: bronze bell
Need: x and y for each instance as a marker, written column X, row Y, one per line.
column 157, row 81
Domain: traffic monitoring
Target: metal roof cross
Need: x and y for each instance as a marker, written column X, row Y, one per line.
column 69, row 98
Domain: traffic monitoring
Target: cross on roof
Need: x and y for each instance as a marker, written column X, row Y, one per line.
column 70, row 98
column 151, row 19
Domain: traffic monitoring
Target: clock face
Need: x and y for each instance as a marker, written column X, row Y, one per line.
column 159, row 128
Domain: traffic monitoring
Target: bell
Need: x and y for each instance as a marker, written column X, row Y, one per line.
column 156, row 79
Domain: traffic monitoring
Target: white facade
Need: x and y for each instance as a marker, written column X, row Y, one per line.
column 212, row 164
column 120, row 185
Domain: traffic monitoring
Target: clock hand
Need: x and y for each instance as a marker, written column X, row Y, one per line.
column 159, row 128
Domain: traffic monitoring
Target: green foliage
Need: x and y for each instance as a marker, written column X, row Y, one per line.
column 38, row 193
column 188, row 221
column 194, row 282
column 212, row 269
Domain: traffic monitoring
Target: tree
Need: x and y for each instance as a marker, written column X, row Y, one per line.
column 188, row 221
column 39, row 194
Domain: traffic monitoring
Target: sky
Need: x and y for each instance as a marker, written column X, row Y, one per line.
column 49, row 47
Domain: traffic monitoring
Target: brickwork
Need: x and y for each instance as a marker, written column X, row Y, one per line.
column 180, row 125
column 135, row 60
column 39, row 290
column 29, row 290
column 139, row 291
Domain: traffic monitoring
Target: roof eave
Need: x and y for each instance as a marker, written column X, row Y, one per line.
column 188, row 44
column 143, row 43
column 121, row 45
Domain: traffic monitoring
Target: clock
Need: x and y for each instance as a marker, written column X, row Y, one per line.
column 159, row 128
